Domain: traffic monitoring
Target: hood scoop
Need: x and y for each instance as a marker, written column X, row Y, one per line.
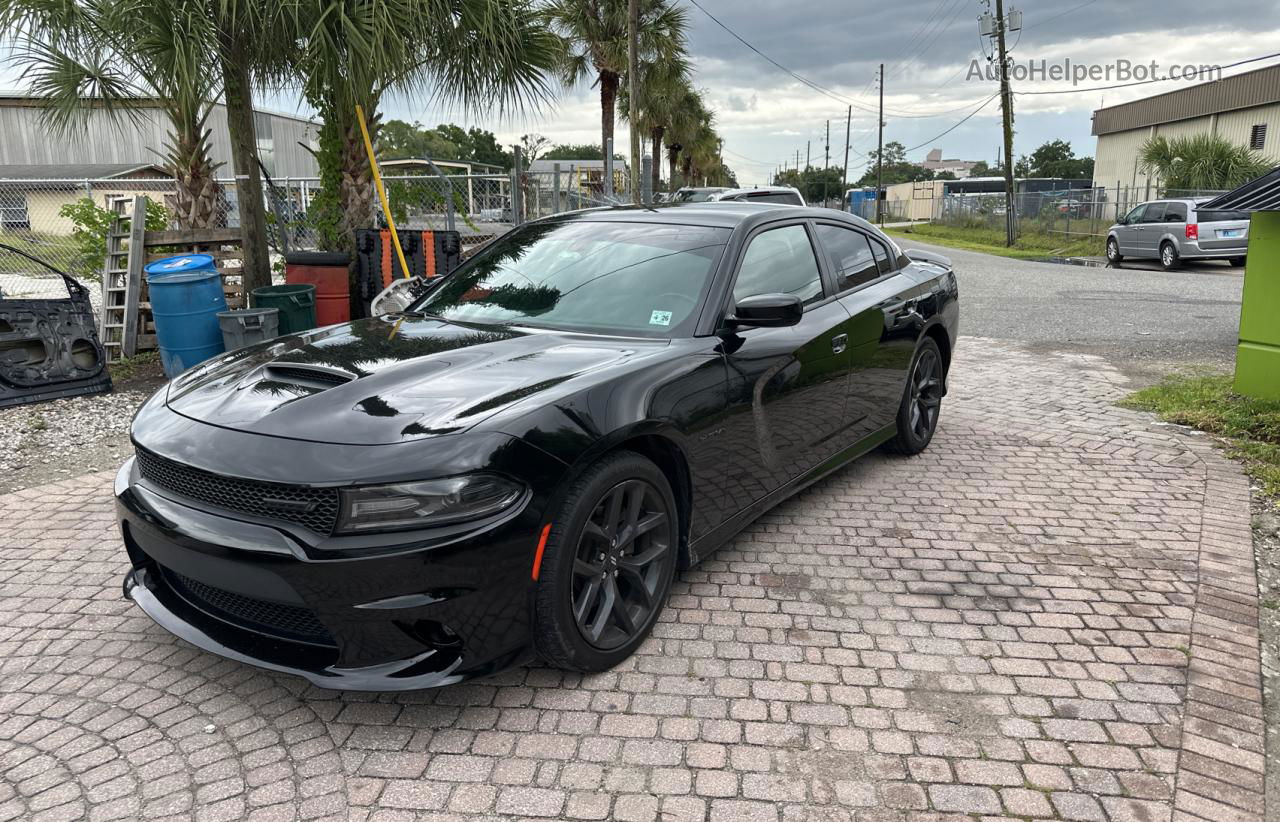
column 307, row 375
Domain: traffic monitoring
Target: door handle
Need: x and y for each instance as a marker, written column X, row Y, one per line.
column 839, row 343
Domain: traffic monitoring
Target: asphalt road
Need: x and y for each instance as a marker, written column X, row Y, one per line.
column 1145, row 322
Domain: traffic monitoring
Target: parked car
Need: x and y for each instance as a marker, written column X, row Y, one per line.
column 697, row 195
column 778, row 195
column 1175, row 230
column 518, row 463
column 1073, row 208
column 781, row 195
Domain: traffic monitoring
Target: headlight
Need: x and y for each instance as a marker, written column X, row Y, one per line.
column 424, row 504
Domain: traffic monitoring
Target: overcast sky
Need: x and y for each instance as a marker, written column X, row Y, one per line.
column 927, row 46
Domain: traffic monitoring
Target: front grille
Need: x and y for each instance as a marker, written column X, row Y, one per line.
column 313, row 508
column 287, row 621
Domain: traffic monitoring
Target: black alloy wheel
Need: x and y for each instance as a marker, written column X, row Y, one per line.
column 618, row 567
column 608, row 565
column 921, row 401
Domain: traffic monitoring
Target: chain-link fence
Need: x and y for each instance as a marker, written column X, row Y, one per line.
column 1069, row 213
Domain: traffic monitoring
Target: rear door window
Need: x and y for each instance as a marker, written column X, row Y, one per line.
column 883, row 260
column 1175, row 213
column 851, row 255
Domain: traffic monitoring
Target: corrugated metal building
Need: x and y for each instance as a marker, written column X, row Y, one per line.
column 1244, row 108
column 25, row 141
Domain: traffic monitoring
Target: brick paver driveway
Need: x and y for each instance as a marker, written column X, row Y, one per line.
column 1052, row 613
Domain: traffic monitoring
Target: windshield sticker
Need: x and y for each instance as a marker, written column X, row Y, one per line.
column 660, row 318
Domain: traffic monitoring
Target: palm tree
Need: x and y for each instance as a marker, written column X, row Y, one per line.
column 664, row 88
column 116, row 56
column 594, row 34
column 1201, row 162
column 476, row 53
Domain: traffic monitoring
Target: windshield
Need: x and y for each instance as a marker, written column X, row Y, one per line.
column 636, row 279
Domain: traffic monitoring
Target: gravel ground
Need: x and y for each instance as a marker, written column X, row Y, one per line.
column 64, row 438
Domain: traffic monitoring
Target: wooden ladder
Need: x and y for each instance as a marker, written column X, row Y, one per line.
column 122, row 278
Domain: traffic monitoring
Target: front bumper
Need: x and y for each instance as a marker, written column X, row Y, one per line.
column 420, row 610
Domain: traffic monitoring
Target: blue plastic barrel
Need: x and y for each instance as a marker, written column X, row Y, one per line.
column 186, row 296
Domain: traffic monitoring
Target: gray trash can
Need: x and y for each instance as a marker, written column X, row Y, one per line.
column 247, row 326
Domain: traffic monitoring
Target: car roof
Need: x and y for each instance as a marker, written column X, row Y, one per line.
column 719, row 214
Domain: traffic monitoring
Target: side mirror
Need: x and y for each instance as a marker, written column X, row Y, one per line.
column 767, row 311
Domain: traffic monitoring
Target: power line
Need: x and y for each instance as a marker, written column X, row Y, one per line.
column 1059, row 14
column 806, row 81
column 966, row 118
column 1144, row 82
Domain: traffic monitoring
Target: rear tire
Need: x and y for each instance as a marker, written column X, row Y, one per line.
column 1169, row 259
column 921, row 404
column 1237, row 262
column 608, row 564
column 1113, row 252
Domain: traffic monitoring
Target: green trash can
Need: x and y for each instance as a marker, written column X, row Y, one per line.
column 296, row 303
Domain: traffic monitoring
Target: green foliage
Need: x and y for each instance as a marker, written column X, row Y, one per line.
column 1055, row 158
column 576, row 151
column 1201, row 162
column 896, row 167
column 814, row 182
column 981, row 169
column 978, row 235
column 400, row 140
column 1251, row 427
column 90, row 227
column 325, row 212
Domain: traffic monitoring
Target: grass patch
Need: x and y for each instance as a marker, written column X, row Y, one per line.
column 1031, row 245
column 1250, row 427
column 126, row 368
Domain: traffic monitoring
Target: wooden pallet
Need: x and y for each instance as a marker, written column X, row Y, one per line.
column 126, row 306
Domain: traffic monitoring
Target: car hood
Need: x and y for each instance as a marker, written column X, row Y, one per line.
column 393, row 378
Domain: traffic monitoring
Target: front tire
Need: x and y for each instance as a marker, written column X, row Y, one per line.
column 1169, row 259
column 608, row 564
column 921, row 401
column 1113, row 252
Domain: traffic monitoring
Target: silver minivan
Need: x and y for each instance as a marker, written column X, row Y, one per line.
column 1175, row 230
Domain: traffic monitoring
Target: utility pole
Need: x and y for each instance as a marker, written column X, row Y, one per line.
column 848, row 127
column 880, row 154
column 1002, row 25
column 633, row 90
column 826, row 163
column 807, row 145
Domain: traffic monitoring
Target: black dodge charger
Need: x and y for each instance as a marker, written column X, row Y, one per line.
column 516, row 465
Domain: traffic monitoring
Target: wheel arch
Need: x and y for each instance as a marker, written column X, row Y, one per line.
column 657, row 443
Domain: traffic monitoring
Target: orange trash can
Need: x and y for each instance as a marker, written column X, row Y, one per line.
column 329, row 272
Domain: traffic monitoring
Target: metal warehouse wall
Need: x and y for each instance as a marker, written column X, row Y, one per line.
column 25, row 141
column 1116, row 158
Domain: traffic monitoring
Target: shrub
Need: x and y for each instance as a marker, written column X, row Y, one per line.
column 91, row 225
